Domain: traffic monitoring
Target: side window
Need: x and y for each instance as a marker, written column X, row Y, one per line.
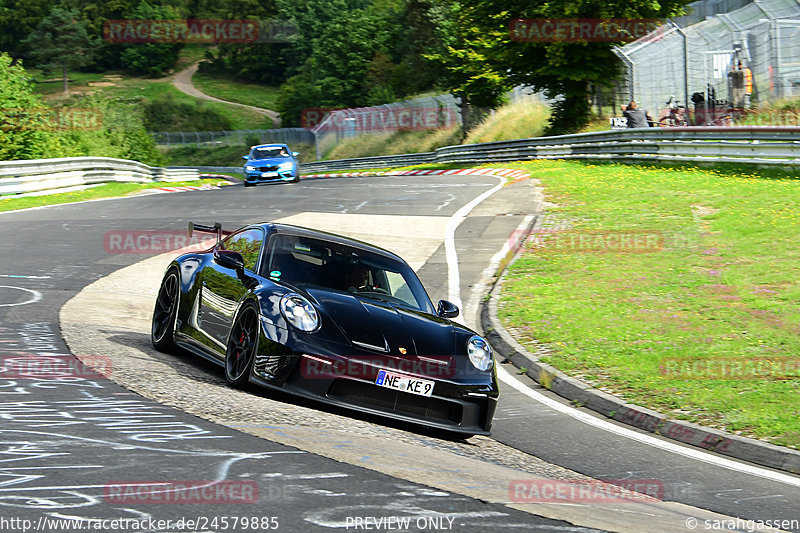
column 247, row 243
column 399, row 288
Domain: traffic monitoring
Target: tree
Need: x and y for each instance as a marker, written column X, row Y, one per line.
column 490, row 60
column 96, row 14
column 150, row 59
column 566, row 70
column 298, row 93
column 471, row 53
column 419, row 25
column 18, row 18
column 60, row 42
column 22, row 136
column 343, row 67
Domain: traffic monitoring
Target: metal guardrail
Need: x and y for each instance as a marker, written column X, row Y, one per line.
column 34, row 175
column 759, row 145
column 752, row 145
column 212, row 169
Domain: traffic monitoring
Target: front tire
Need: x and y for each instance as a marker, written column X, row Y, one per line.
column 247, row 184
column 162, row 331
column 242, row 345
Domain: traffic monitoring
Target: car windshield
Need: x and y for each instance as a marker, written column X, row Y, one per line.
column 307, row 263
column 268, row 153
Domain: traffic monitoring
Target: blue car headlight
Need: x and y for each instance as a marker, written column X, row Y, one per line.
column 285, row 166
column 299, row 312
column 480, row 353
column 248, row 167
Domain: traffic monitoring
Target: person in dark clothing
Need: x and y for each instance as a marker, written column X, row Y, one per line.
column 637, row 118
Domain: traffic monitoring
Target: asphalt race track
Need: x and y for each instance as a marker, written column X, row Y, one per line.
column 66, row 445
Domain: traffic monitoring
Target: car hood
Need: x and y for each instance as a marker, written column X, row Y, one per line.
column 384, row 328
column 270, row 161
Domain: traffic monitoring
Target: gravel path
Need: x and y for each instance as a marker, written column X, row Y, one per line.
column 183, row 82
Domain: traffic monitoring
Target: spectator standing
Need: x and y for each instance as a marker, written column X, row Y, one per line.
column 637, row 117
column 737, row 87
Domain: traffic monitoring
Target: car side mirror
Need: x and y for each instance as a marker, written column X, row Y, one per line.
column 446, row 309
column 229, row 259
column 295, row 154
column 245, row 157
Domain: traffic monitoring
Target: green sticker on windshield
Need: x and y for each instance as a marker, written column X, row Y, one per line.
column 275, row 274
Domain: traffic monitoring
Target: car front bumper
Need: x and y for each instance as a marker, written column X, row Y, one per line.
column 255, row 176
column 458, row 404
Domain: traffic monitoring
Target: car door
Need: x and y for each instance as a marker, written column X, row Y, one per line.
column 222, row 291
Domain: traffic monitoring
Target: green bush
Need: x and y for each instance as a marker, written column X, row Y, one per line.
column 167, row 114
column 121, row 134
column 150, row 59
column 19, row 137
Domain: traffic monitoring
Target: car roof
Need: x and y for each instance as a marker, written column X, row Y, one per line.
column 299, row 231
column 273, row 145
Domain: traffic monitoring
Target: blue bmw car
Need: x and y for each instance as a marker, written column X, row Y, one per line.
column 270, row 162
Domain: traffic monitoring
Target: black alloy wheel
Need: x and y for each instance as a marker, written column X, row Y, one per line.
column 162, row 333
column 242, row 345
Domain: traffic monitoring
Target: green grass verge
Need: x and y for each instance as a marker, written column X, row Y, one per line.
column 717, row 283
column 114, row 85
column 143, row 90
column 522, row 119
column 401, row 142
column 107, row 190
column 54, row 85
column 236, row 91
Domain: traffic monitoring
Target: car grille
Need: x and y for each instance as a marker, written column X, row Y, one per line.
column 268, row 169
column 369, row 395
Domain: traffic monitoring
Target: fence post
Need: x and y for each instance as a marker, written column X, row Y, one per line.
column 685, row 72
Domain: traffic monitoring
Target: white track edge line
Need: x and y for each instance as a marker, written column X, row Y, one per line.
column 453, row 274
column 454, row 293
column 692, row 453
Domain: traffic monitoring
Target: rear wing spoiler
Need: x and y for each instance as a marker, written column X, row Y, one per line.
column 216, row 229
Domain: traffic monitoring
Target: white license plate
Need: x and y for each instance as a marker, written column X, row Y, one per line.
column 268, row 174
column 391, row 380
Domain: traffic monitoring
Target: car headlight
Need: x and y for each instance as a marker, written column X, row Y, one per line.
column 248, row 167
column 299, row 312
column 286, row 166
column 480, row 353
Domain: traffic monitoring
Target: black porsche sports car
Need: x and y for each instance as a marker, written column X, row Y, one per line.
column 328, row 318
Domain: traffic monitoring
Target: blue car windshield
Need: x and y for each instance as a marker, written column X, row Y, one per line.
column 269, row 153
column 307, row 263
